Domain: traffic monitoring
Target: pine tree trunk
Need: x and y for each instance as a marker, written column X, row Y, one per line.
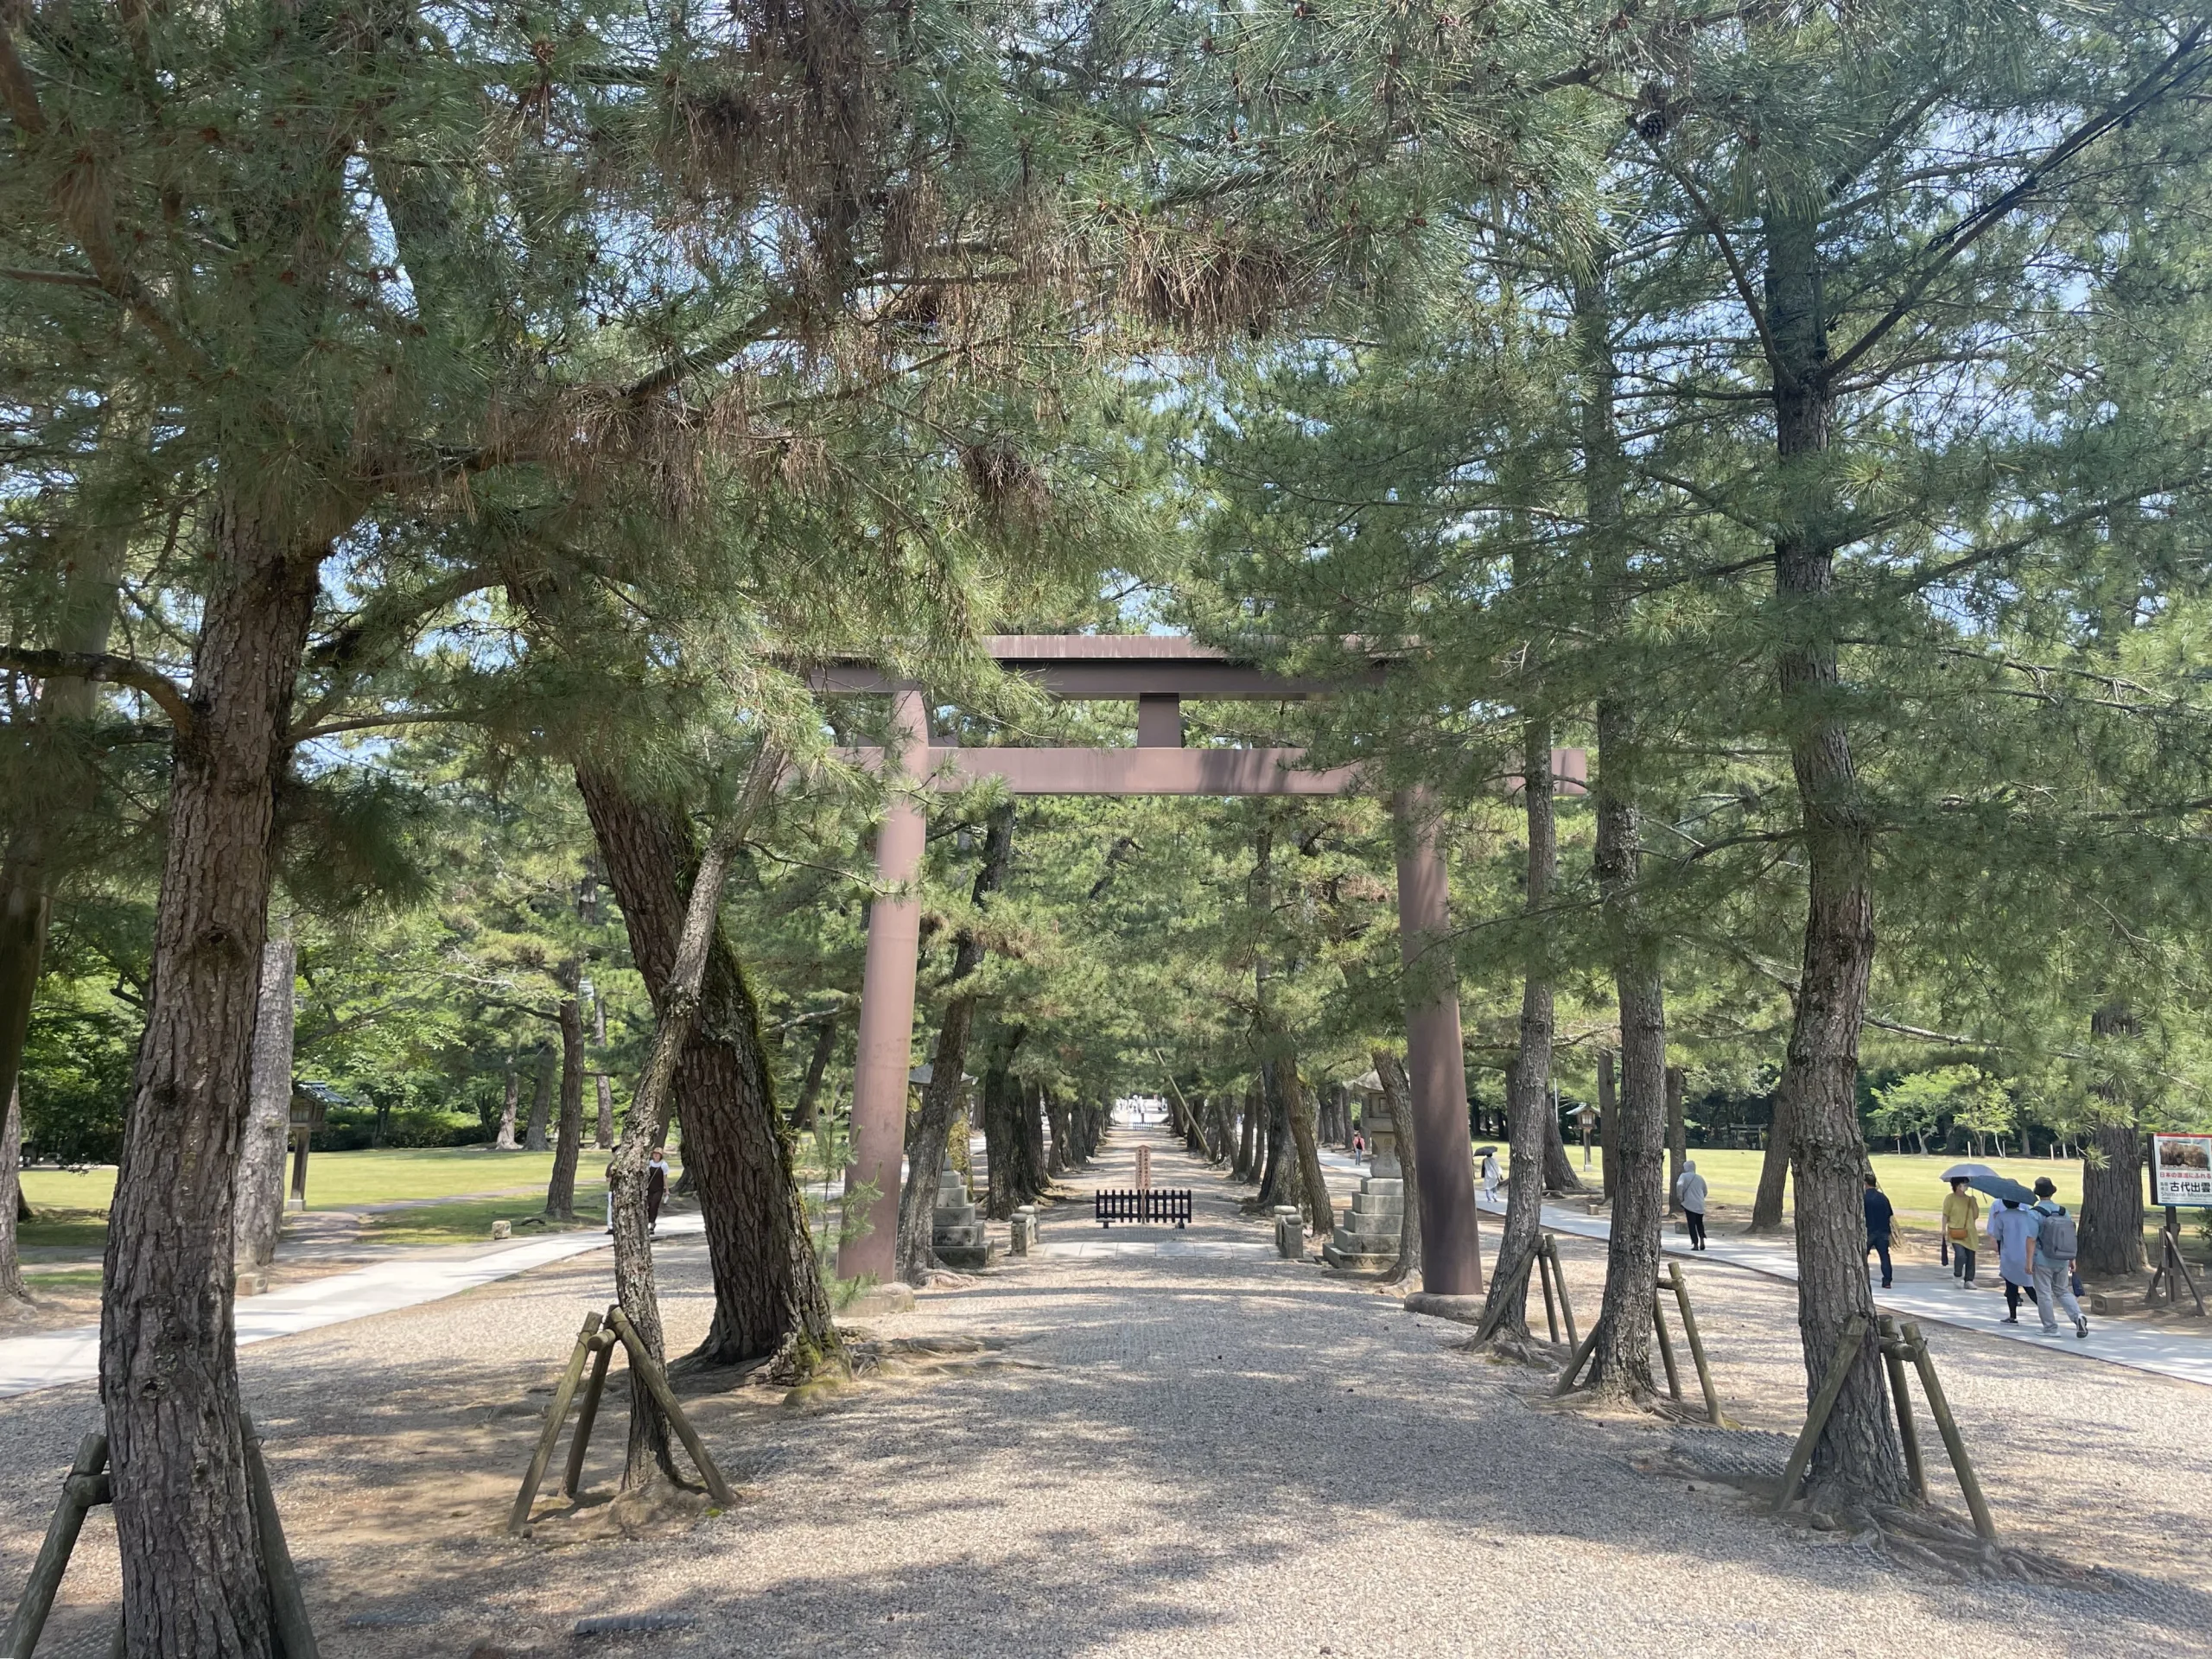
column 603, row 1128
column 1397, row 1095
column 817, row 1067
column 1275, row 1173
column 769, row 1298
column 260, row 1186
column 1247, row 1136
column 561, row 1189
column 1858, row 1460
column 1637, row 1118
column 1560, row 1173
column 1774, row 1169
column 1002, row 1093
column 12, row 1289
column 535, row 1137
column 932, row 1127
column 1056, row 1112
column 2111, row 1224
column 1528, row 1082
column 506, row 1140
column 1034, row 1180
column 192, row 1576
column 1299, row 1108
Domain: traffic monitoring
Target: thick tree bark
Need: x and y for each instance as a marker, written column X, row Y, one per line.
column 561, row 1189
column 1299, row 1108
column 2111, row 1221
column 260, row 1184
column 12, row 1289
column 1636, row 1120
column 1774, row 1168
column 1858, row 1460
column 1034, row 1179
column 769, row 1298
column 506, row 1140
column 2112, row 1201
column 817, row 1067
column 1247, row 1136
column 1277, row 1170
column 192, row 1576
column 1529, row 1083
column 1056, row 1115
column 1560, row 1173
column 535, row 1137
column 1398, row 1096
column 1001, row 1106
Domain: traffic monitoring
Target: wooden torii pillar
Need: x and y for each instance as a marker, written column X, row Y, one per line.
column 1156, row 673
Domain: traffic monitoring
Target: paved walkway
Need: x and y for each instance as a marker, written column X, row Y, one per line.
column 1922, row 1292
column 50, row 1358
column 1156, row 1455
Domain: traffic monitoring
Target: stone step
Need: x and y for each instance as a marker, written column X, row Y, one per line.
column 974, row 1234
column 1364, row 1244
column 1360, row 1262
column 1383, row 1187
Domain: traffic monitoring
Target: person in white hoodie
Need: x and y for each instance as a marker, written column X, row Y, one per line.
column 1689, row 1191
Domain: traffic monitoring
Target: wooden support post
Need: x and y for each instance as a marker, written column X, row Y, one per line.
column 1895, row 1351
column 1940, row 1409
column 1713, row 1414
column 1666, row 1348
column 1574, row 1365
column 287, row 1605
column 85, row 1486
column 2172, row 1269
column 1847, row 1352
column 1559, row 1277
column 644, row 1365
column 1544, row 1273
column 556, row 1413
column 603, row 1348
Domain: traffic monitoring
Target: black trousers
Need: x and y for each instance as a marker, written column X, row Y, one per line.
column 1697, row 1219
column 2012, row 1294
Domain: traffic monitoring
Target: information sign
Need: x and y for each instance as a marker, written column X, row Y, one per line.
column 2181, row 1169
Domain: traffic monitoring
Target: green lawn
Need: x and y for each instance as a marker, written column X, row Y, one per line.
column 468, row 1221
column 1914, row 1183
column 344, row 1178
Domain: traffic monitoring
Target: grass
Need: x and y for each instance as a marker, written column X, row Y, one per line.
column 468, row 1221
column 337, row 1179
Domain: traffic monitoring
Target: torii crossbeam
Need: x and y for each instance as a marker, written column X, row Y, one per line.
column 1156, row 673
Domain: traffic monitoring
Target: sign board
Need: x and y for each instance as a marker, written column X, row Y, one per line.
column 2181, row 1169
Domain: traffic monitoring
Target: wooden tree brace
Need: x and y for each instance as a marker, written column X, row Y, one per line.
column 1666, row 1349
column 555, row 1414
column 1800, row 1455
column 1550, row 1247
column 1717, row 1417
column 603, row 1348
column 643, row 1365
column 1938, row 1407
column 87, row 1484
column 1895, row 1353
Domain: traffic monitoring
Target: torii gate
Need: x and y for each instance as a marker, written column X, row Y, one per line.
column 1156, row 673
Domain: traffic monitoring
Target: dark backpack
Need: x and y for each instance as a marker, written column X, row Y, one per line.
column 2056, row 1236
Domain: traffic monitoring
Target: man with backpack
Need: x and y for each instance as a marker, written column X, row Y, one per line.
column 2058, row 1244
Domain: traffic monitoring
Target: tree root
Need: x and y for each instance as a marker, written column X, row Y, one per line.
column 1937, row 1541
column 1516, row 1348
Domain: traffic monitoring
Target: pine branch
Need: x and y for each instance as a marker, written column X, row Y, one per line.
column 2189, row 59
column 114, row 671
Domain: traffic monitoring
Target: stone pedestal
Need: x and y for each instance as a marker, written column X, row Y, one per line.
column 1368, row 1240
column 1025, row 1229
column 1290, row 1233
column 957, row 1234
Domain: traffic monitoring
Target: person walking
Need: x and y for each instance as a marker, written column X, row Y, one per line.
column 1359, row 1145
column 656, row 1186
column 1489, row 1177
column 2056, row 1244
column 1961, row 1211
column 2013, row 1230
column 1881, row 1217
column 1689, row 1192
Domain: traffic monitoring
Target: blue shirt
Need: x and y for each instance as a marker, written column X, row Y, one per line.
column 1878, row 1216
column 2012, row 1228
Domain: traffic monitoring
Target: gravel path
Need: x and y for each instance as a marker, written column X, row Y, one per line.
column 1158, row 1454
